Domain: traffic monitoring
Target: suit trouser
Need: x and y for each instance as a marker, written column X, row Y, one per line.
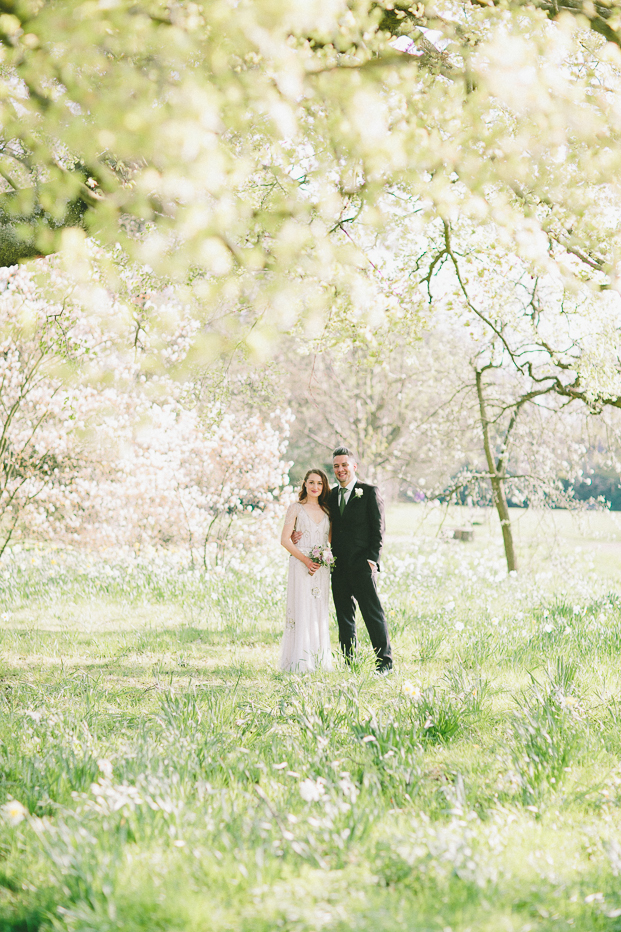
column 357, row 583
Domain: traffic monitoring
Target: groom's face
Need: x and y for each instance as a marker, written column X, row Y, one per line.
column 344, row 469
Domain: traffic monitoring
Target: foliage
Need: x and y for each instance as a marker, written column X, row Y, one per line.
column 266, row 151
column 342, row 172
column 95, row 451
column 39, row 446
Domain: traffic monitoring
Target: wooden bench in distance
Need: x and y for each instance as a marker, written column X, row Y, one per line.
column 463, row 533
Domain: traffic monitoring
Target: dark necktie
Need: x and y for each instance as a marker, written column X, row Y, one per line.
column 342, row 501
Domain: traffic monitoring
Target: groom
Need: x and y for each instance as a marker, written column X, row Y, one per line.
column 357, row 513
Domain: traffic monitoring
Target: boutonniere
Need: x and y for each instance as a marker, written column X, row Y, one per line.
column 359, row 493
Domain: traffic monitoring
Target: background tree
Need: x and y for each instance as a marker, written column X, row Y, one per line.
column 538, row 350
column 359, row 392
column 485, row 405
column 40, row 413
column 94, row 451
column 217, row 491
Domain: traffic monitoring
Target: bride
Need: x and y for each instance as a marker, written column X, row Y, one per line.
column 306, row 641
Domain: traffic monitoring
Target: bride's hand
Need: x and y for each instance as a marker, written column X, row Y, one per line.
column 312, row 567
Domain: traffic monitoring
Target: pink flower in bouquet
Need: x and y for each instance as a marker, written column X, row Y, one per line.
column 323, row 556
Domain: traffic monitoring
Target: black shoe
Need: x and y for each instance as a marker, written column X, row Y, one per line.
column 384, row 671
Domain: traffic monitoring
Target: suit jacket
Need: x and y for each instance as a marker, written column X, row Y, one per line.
column 357, row 534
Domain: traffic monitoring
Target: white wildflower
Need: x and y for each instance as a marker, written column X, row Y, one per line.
column 14, row 812
column 348, row 788
column 105, row 767
column 413, row 692
column 311, row 791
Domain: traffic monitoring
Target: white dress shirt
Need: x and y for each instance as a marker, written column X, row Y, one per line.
column 348, row 490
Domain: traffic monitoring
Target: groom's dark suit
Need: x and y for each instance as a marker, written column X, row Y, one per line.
column 357, row 537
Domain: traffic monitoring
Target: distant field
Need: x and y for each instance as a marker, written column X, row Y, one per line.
column 539, row 535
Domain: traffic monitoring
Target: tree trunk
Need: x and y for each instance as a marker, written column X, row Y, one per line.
column 497, row 480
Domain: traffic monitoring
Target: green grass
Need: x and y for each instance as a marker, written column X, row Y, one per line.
column 175, row 780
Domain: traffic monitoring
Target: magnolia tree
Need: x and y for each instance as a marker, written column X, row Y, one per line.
column 249, row 149
column 120, row 459
column 40, row 413
column 539, row 358
column 162, row 476
column 491, row 434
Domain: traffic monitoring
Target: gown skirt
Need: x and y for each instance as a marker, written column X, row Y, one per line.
column 306, row 639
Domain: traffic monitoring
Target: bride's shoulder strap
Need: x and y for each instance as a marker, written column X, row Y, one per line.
column 292, row 512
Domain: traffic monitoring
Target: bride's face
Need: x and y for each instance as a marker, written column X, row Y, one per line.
column 314, row 485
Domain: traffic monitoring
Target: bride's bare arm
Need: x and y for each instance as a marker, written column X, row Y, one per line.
column 285, row 540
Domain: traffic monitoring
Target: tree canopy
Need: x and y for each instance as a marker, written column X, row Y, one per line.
column 258, row 150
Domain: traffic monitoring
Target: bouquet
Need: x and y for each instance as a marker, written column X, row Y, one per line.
column 323, row 556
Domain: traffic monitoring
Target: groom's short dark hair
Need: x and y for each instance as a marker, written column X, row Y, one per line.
column 345, row 451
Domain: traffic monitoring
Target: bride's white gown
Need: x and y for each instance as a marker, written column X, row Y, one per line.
column 306, row 641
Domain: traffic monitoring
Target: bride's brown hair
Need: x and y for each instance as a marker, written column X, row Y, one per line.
column 325, row 489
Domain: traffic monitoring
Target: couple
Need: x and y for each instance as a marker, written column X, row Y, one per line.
column 350, row 519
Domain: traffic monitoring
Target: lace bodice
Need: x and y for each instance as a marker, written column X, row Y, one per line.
column 312, row 533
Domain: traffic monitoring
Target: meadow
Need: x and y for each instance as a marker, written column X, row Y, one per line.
column 158, row 773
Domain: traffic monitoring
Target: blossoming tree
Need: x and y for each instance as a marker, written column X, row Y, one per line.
column 93, row 450
column 161, row 476
column 246, row 147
